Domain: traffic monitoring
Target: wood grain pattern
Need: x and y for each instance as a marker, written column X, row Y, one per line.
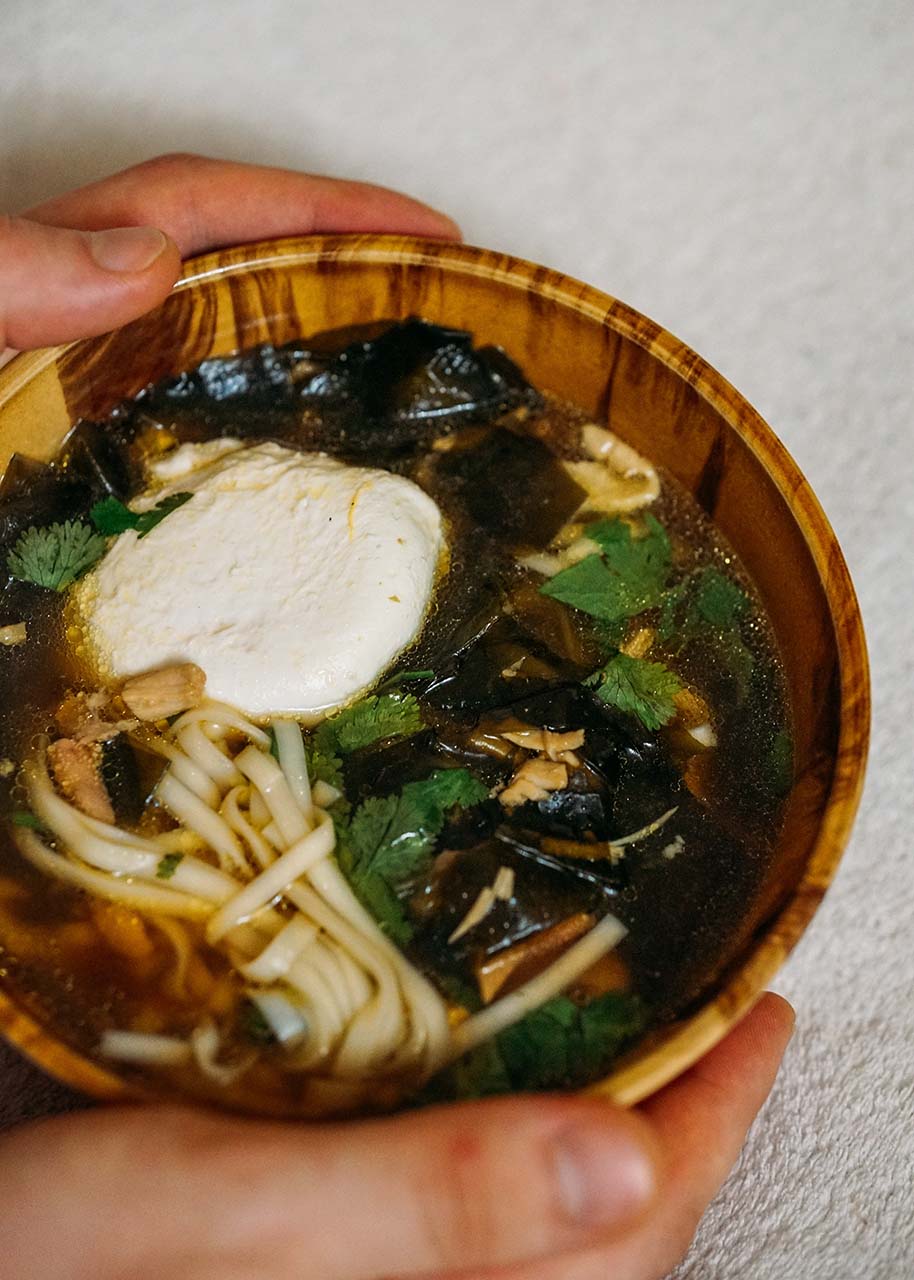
column 620, row 367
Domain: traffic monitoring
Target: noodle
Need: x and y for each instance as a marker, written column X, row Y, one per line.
column 336, row 993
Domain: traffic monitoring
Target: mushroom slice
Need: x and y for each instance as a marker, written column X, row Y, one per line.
column 615, row 477
column 554, row 746
column 513, row 966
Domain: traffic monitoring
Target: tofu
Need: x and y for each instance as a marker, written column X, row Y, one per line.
column 292, row 579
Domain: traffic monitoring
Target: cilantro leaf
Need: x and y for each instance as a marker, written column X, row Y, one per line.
column 480, row 1074
column 459, row 991
column 402, row 677
column 111, row 516
column 389, row 838
column 558, row 1045
column 56, row 555
column 253, row 1025
column 386, row 715
column 324, row 765
column 707, row 606
column 641, row 688
column 168, row 865
column 22, row 818
column 627, row 576
column 590, row 587
column 718, row 600
column 706, row 599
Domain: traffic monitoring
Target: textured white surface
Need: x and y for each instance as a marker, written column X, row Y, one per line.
column 742, row 173
column 290, row 578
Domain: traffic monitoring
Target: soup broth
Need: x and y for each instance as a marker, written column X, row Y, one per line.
column 589, row 732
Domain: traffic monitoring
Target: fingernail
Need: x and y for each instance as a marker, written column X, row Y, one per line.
column 126, row 248
column 603, row 1179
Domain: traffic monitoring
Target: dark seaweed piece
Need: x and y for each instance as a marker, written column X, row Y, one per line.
column 472, row 826
column 121, row 776
column 379, row 770
column 35, row 494
column 415, row 380
column 471, row 678
column 488, row 479
column 546, row 891
column 568, row 815
column 95, row 451
column 262, row 373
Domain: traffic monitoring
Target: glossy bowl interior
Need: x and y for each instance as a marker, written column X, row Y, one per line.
column 621, row 368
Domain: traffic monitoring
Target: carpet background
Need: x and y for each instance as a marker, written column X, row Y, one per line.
column 743, row 174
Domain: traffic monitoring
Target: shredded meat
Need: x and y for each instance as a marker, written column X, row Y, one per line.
column 75, row 768
column 533, row 781
column 155, row 695
column 79, row 717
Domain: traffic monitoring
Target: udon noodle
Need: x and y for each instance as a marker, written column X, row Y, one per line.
column 339, row 997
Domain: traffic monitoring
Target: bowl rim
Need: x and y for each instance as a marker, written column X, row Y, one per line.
column 682, row 1044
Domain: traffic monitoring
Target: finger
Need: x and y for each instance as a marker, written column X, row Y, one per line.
column 56, row 285
column 701, row 1121
column 207, row 204
column 480, row 1184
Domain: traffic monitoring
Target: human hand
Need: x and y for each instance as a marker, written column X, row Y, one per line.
column 535, row 1188
column 545, row 1188
column 98, row 257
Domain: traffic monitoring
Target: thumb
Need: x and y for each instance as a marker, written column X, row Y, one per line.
column 478, row 1185
column 57, row 285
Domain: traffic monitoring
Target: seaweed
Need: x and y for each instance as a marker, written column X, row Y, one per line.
column 414, row 381
column 478, row 476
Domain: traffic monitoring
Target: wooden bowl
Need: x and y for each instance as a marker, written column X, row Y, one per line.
column 618, row 366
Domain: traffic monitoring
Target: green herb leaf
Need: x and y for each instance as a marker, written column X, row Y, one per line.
column 111, row 516
column 22, row 818
column 638, row 687
column 480, row 1074
column 459, row 991
column 253, row 1025
column 324, row 765
column 719, row 601
column 706, row 599
column 386, row 715
column 402, row 677
column 590, row 587
column 168, row 865
column 627, row 577
column 707, row 606
column 779, row 762
column 389, row 839
column 558, row 1045
column 56, row 555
